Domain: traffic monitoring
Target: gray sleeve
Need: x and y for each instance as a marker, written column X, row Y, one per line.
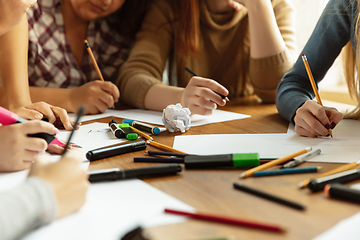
column 26, row 207
column 332, row 32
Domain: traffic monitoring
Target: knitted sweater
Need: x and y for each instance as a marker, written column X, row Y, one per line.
column 224, row 53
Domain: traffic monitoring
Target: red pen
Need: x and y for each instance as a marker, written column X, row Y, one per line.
column 232, row 221
column 7, row 118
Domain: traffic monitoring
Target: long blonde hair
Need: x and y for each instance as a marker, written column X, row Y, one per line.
column 351, row 66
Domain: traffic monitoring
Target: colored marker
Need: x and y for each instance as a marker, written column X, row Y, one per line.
column 299, row 161
column 286, row 171
column 340, row 191
column 111, row 151
column 7, row 118
column 342, row 177
column 118, row 132
column 154, row 171
column 142, row 126
column 129, row 133
column 268, row 196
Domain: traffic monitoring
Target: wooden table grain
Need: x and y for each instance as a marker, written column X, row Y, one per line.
column 211, row 191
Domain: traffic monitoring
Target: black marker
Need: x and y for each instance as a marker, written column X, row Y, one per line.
column 340, row 191
column 118, row 132
column 161, row 170
column 341, row 177
column 115, row 150
column 195, row 75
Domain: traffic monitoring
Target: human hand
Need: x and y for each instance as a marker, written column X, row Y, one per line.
column 18, row 151
column 312, row 119
column 56, row 115
column 97, row 96
column 66, row 177
column 200, row 95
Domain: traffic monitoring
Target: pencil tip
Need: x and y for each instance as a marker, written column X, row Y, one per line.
column 242, row 175
column 301, row 185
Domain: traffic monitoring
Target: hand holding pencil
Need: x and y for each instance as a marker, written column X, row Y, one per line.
column 312, row 119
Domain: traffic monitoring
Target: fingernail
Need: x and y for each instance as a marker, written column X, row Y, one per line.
column 327, row 126
column 38, row 116
column 333, row 124
column 56, row 130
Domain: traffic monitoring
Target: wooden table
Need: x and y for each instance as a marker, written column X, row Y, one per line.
column 211, row 191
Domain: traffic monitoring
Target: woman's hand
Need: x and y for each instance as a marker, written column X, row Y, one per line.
column 200, row 95
column 56, row 115
column 66, row 177
column 96, row 95
column 312, row 120
column 18, row 151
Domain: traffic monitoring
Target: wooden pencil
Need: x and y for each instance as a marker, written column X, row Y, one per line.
column 313, row 85
column 140, row 133
column 342, row 168
column 270, row 164
column 94, row 63
column 163, row 147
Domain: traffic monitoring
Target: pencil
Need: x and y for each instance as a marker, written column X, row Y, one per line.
column 87, row 46
column 159, row 153
column 140, row 133
column 159, row 160
column 286, row 171
column 270, row 164
column 195, row 75
column 163, row 147
column 268, row 196
column 79, row 115
column 342, row 168
column 313, row 85
column 227, row 220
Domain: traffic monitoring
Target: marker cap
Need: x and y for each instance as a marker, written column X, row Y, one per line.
column 132, row 136
column 127, row 121
column 246, row 160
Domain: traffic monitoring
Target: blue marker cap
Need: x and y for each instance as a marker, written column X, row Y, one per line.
column 128, row 121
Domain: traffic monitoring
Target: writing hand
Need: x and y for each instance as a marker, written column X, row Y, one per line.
column 312, row 120
column 200, row 95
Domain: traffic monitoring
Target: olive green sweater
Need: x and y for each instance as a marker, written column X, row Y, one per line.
column 224, row 53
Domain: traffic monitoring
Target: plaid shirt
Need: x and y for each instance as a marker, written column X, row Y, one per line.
column 51, row 62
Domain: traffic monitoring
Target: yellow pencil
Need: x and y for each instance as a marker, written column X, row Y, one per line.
column 313, row 85
column 163, row 147
column 94, row 62
column 270, row 164
column 140, row 133
column 342, row 168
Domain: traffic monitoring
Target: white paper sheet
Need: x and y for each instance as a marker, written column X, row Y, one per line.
column 154, row 117
column 111, row 210
column 343, row 148
column 92, row 136
column 345, row 229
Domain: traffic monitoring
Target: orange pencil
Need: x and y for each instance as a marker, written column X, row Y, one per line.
column 94, row 62
column 163, row 147
column 313, row 85
column 270, row 164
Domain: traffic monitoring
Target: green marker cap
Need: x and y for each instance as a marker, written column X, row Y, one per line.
column 124, row 125
column 131, row 136
column 246, row 159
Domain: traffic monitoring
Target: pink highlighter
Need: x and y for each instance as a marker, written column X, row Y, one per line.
column 7, row 118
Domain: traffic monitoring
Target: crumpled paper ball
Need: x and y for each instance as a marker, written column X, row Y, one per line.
column 175, row 117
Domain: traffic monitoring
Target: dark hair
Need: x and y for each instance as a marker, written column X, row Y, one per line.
column 130, row 17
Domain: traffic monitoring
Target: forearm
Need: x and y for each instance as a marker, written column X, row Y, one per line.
column 13, row 65
column 265, row 36
column 26, row 207
column 59, row 97
column 159, row 96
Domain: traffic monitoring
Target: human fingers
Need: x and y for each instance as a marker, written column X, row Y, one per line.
column 208, row 89
column 334, row 116
column 62, row 114
column 44, row 109
column 28, row 113
column 200, row 110
column 36, row 126
column 235, row 5
column 112, row 89
column 303, row 129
